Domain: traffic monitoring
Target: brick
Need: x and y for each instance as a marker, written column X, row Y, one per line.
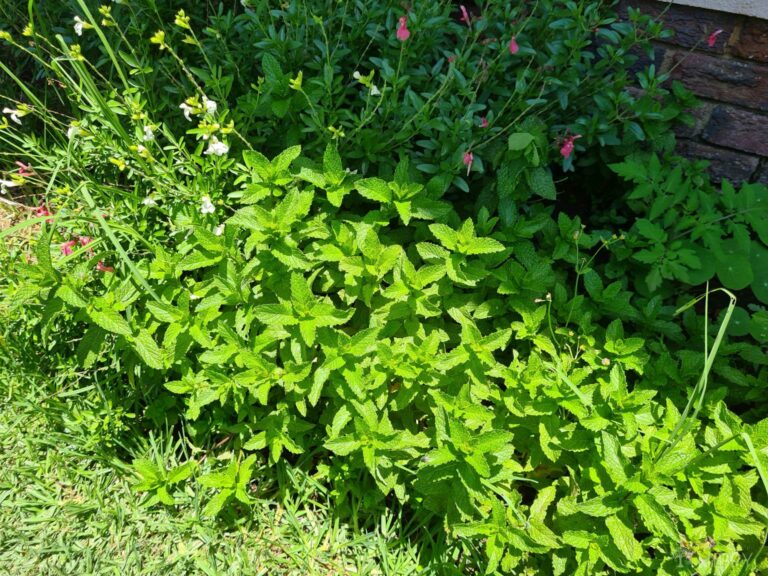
column 724, row 164
column 691, row 26
column 753, row 40
column 644, row 59
column 731, row 81
column 701, row 116
column 762, row 174
column 738, row 129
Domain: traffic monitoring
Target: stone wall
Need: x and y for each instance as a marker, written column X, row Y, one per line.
column 731, row 79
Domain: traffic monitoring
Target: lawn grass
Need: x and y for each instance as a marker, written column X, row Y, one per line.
column 67, row 507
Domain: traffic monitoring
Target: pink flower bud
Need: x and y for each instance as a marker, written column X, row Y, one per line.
column 66, row 247
column 24, row 169
column 513, row 47
column 102, row 268
column 464, row 15
column 402, row 31
column 713, row 38
column 468, row 159
column 567, row 147
column 483, row 122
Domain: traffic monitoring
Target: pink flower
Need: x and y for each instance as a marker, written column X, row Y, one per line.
column 24, row 169
column 102, row 268
column 84, row 240
column 483, row 122
column 713, row 38
column 42, row 210
column 468, row 159
column 451, row 59
column 513, row 47
column 402, row 31
column 464, row 15
column 567, row 147
column 66, row 247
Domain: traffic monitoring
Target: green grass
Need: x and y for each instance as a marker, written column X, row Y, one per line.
column 67, row 507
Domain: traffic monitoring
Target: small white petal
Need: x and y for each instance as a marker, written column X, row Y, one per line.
column 187, row 110
column 375, row 91
column 210, row 106
column 149, row 201
column 206, row 206
column 78, row 26
column 14, row 114
column 72, row 132
column 216, row 147
column 356, row 75
column 219, row 230
column 148, row 134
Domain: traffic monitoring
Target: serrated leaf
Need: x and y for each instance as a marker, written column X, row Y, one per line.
column 283, row 161
column 541, row 183
column 111, row 321
column 332, row 163
column 624, row 539
column 148, row 350
column 613, row 459
column 343, row 446
column 655, row 517
column 181, row 472
column 374, row 189
column 483, row 246
column 519, row 141
column 90, row 345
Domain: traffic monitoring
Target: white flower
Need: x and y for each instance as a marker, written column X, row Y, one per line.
column 149, row 201
column 216, row 147
column 206, row 206
column 187, row 110
column 141, row 149
column 72, row 132
column 5, row 184
column 219, row 230
column 148, row 134
column 79, row 26
column 210, row 105
column 375, row 90
column 356, row 75
column 14, row 114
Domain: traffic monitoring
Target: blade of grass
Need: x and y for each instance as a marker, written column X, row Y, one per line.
column 116, row 243
column 700, row 389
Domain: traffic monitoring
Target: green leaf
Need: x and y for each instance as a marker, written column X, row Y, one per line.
column 655, row 517
column 272, row 70
column 624, row 539
column 613, row 459
column 165, row 312
column 332, row 166
column 278, row 314
column 71, row 296
column 89, row 347
column 111, row 321
column 217, row 503
column 541, row 183
column 374, row 189
column 483, row 246
column 519, row 141
column 181, row 472
column 344, row 445
column 283, row 161
column 258, row 162
column 148, row 351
